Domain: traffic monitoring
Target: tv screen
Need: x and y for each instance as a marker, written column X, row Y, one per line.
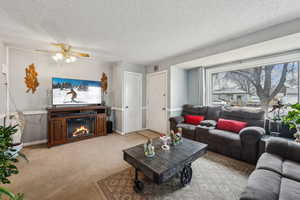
column 72, row 91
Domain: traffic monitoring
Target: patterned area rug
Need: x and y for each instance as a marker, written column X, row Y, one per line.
column 215, row 177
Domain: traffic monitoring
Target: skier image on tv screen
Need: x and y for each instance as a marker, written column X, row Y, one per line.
column 74, row 95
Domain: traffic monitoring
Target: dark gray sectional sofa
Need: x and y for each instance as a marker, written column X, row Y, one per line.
column 243, row 145
column 277, row 174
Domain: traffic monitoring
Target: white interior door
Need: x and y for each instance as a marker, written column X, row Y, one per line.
column 132, row 102
column 157, row 102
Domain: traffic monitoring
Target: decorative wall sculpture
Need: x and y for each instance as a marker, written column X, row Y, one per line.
column 104, row 83
column 31, row 80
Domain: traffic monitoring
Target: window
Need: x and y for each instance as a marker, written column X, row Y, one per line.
column 260, row 86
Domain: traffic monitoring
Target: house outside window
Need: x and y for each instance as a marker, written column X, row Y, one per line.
column 254, row 85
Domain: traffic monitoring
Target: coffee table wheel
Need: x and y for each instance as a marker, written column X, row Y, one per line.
column 138, row 186
column 186, row 175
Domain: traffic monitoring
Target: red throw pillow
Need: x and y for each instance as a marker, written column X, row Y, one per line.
column 193, row 119
column 231, row 125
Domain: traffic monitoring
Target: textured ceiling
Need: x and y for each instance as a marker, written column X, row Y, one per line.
column 139, row 31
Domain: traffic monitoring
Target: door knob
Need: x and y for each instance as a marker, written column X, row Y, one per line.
column 126, row 106
column 163, row 108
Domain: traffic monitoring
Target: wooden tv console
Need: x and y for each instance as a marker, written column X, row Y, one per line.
column 62, row 122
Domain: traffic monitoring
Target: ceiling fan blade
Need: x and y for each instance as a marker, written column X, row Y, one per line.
column 58, row 44
column 74, row 53
column 47, row 51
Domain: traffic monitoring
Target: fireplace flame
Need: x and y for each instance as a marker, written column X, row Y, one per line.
column 80, row 131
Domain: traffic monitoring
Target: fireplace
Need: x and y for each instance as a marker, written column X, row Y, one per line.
column 71, row 124
column 81, row 127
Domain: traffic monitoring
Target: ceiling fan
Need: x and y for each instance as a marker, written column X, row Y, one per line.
column 65, row 53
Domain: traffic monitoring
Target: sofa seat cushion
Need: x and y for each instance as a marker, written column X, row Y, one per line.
column 262, row 185
column 270, row 162
column 291, row 170
column 224, row 142
column 290, row 189
column 226, row 136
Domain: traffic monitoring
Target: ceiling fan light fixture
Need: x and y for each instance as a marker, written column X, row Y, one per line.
column 55, row 58
column 68, row 60
column 73, row 59
column 65, row 53
column 59, row 56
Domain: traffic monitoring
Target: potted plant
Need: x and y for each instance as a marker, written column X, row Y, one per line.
column 292, row 119
column 8, row 160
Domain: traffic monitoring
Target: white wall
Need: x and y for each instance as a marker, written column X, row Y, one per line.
column 36, row 128
column 2, row 83
column 179, row 89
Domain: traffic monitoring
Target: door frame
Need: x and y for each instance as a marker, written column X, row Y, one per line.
column 165, row 72
column 140, row 115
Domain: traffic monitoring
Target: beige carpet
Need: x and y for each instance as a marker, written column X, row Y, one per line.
column 215, row 177
column 71, row 171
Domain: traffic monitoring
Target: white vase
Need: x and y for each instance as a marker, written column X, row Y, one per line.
column 17, row 119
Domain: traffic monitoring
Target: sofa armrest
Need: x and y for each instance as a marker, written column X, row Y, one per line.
column 174, row 121
column 251, row 134
column 284, row 148
column 177, row 120
column 250, row 137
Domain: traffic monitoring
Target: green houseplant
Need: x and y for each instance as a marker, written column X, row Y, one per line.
column 8, row 160
column 292, row 119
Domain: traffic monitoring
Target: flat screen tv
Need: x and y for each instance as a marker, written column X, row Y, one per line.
column 72, row 91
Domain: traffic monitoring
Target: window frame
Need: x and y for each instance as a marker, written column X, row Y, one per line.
column 246, row 64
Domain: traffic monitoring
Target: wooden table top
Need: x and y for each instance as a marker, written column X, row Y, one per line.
column 164, row 160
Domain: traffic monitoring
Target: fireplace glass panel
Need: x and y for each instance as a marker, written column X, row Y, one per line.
column 80, row 127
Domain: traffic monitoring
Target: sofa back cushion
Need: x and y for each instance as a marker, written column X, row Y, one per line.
column 194, row 110
column 285, row 148
column 213, row 112
column 231, row 125
column 253, row 117
column 193, row 119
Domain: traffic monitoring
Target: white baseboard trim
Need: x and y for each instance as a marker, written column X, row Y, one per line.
column 119, row 132
column 117, row 109
column 34, row 112
column 123, row 133
column 35, row 143
column 121, row 109
column 28, row 112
